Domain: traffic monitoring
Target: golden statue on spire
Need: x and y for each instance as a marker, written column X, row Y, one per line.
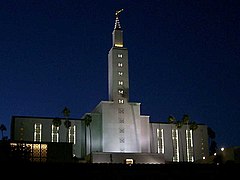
column 118, row 12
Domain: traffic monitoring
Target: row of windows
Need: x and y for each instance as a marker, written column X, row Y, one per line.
column 71, row 136
column 120, row 82
column 120, row 92
column 32, row 152
column 175, row 140
column 121, row 111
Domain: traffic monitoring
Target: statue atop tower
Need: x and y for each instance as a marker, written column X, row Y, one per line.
column 118, row 12
column 117, row 22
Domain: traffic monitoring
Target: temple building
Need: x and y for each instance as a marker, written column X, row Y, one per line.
column 117, row 131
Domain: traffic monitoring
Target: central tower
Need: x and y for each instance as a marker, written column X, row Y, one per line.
column 121, row 127
column 118, row 80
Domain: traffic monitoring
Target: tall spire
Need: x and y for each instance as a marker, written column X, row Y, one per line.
column 118, row 81
column 117, row 32
column 117, row 22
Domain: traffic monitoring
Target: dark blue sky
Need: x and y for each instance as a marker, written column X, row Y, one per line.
column 184, row 58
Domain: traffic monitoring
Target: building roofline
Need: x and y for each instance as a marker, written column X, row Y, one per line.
column 43, row 117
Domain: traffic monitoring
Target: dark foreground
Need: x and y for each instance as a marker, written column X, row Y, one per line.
column 120, row 171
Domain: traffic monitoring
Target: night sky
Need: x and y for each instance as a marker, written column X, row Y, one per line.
column 184, row 58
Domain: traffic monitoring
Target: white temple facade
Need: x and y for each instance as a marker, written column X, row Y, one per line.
column 118, row 130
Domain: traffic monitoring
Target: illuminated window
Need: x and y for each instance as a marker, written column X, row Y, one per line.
column 43, row 152
column 120, row 64
column 175, row 144
column 120, row 101
column 32, row 152
column 36, row 152
column 160, row 141
column 120, row 83
column 39, row 152
column 120, row 73
column 72, row 134
column 55, row 133
column 120, row 91
column 189, row 144
column 129, row 161
column 120, row 55
column 38, row 132
column 118, row 45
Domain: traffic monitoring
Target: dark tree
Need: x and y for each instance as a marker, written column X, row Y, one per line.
column 67, row 123
column 212, row 142
column 3, row 128
column 87, row 121
column 57, row 122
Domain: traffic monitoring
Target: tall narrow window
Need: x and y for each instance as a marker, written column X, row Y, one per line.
column 72, row 134
column 189, row 144
column 55, row 133
column 160, row 141
column 38, row 132
column 175, row 144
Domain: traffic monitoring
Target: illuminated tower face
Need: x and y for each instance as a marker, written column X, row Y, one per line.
column 118, row 80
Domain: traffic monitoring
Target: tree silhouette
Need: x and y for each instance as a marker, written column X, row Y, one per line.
column 172, row 120
column 3, row 128
column 57, row 122
column 67, row 123
column 213, row 144
column 185, row 119
column 193, row 125
column 87, row 121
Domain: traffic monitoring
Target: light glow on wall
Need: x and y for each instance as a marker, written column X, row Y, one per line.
column 118, row 45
